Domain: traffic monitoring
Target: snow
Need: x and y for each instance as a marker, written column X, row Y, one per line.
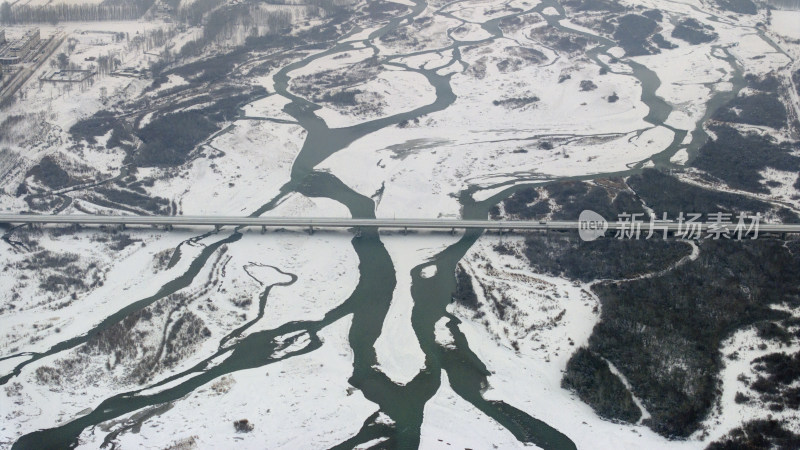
column 304, row 402
column 242, row 272
column 398, row 352
column 442, row 334
column 434, row 160
column 401, row 91
column 336, row 61
column 258, row 156
column 470, row 32
column 431, row 36
column 423, row 167
column 566, row 23
column 685, row 85
column 550, row 11
column 128, row 276
column 40, row 3
column 268, row 107
column 786, row 23
column 316, row 260
column 433, row 164
column 451, row 422
column 784, row 190
column 680, row 157
column 744, row 346
column 403, row 2
column 173, row 81
column 482, row 10
column 428, row 271
column 544, row 351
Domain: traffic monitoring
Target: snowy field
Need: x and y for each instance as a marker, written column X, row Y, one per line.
column 522, row 110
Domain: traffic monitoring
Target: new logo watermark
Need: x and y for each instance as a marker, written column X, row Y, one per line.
column 592, row 225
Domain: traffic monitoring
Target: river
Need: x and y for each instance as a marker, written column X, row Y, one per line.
column 370, row 300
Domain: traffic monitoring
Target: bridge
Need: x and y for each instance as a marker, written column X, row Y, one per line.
column 310, row 223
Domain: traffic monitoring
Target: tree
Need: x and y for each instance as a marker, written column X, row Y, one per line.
column 63, row 60
column 5, row 13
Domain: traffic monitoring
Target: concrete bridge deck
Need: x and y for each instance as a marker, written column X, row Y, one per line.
column 334, row 222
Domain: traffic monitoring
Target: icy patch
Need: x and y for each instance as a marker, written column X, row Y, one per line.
column 452, row 422
column 397, row 348
column 442, row 334
column 303, row 402
column 428, row 271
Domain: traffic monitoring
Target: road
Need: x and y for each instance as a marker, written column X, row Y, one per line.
column 333, row 222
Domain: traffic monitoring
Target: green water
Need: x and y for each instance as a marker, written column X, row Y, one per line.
column 369, row 302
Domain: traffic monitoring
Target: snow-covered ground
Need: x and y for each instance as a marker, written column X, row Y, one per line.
column 396, row 91
column 302, row 402
column 785, row 23
column 547, row 318
column 52, row 108
column 397, row 348
column 739, row 351
column 255, row 160
column 452, row 422
column 224, row 295
column 523, row 111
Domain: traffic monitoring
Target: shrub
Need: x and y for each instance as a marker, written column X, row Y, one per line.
column 243, row 426
column 588, row 85
column 465, row 293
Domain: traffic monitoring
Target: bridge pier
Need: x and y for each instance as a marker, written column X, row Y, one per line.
column 405, row 231
column 310, row 229
column 168, row 227
column 452, row 232
column 217, row 227
column 358, row 232
column 263, row 229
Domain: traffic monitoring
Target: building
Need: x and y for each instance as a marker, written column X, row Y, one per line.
column 2, row 37
column 28, row 42
column 21, row 48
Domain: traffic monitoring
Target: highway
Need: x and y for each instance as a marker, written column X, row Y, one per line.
column 335, row 222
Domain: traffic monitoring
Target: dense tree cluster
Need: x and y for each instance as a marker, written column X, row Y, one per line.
column 632, row 34
column 663, row 332
column 758, row 109
column 796, row 79
column 667, row 194
column 737, row 158
column 776, row 382
column 693, row 32
column 50, row 174
column 591, row 378
column 60, row 12
column 564, row 254
column 759, row 434
column 738, row 6
column 168, row 140
column 465, row 293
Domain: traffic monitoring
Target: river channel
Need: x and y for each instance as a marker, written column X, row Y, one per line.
column 369, row 302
